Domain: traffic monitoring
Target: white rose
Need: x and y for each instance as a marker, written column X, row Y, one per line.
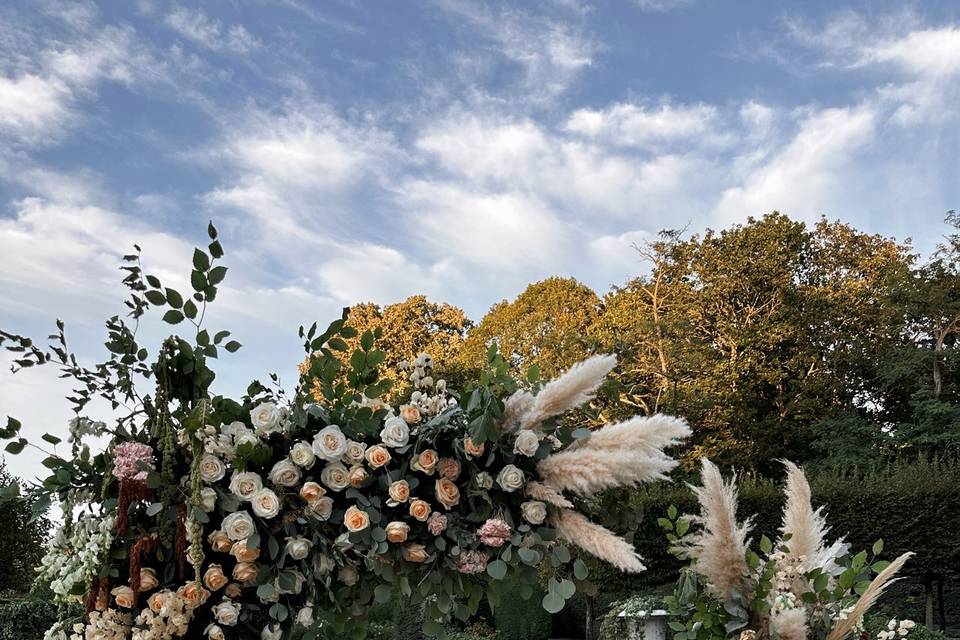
column 212, row 468
column 234, row 429
column 330, row 443
column 527, row 443
column 335, row 476
column 266, row 418
column 298, row 547
column 321, row 508
column 238, row 525
column 244, row 484
column 534, row 511
column 214, row 632
column 322, row 564
column 246, row 437
column 510, row 478
column 302, row 455
column 208, row 499
column 271, row 632
column 395, row 432
column 305, row 616
column 285, row 474
column 354, row 452
column 226, row 612
column 265, row 503
column 484, row 480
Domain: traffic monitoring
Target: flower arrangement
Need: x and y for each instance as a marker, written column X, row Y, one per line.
column 796, row 588
column 275, row 517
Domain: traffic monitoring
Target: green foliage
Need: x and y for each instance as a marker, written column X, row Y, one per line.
column 26, row 617
column 25, row 529
column 613, row 626
column 877, row 622
column 520, row 618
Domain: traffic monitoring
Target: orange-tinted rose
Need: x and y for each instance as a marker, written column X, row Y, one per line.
column 414, row 553
column 410, row 413
column 220, row 542
column 378, row 456
column 426, row 462
column 399, row 491
column 245, row 572
column 193, row 594
column 312, row 491
column 241, row 552
column 213, row 577
column 397, row 531
column 447, row 493
column 148, row 579
column 420, row 510
column 471, row 449
column 355, row 519
column 123, row 596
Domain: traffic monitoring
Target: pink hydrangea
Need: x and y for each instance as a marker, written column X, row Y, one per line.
column 495, row 533
column 437, row 523
column 126, row 459
column 473, row 562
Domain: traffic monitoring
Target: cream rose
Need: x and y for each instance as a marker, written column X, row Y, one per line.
column 312, row 491
column 395, row 432
column 471, row 449
column 510, row 478
column 321, row 508
column 302, row 455
column 377, row 456
column 148, row 579
column 245, row 572
column 355, row 519
column 219, row 541
column 447, row 493
column 244, row 484
column 243, row 553
column 358, row 475
column 335, row 476
column 265, row 503
column 409, row 413
column 238, row 525
column 527, row 443
column 158, row 601
column 305, row 616
column 212, row 468
column 271, row 632
column 266, row 417
column 124, row 596
column 484, row 480
column 298, row 547
column 208, row 499
column 213, row 577
column 534, row 511
column 426, row 462
column 414, row 553
column 226, row 612
column 420, row 510
column 214, row 632
column 354, row 453
column 194, row 594
column 399, row 492
column 330, row 443
column 397, row 531
column 233, row 590
column 285, row 474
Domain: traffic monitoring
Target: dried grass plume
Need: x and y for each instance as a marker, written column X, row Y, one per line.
column 883, row 579
column 596, row 540
column 575, row 387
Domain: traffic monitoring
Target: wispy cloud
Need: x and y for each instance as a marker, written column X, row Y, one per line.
column 197, row 26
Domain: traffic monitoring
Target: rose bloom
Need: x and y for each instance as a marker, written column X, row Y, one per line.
column 305, row 616
column 410, row 413
column 447, row 493
column 302, row 455
column 437, row 523
column 484, row 480
column 471, row 449
column 354, row 453
column 265, row 503
column 213, row 577
column 271, row 632
column 426, row 462
column 397, row 531
column 285, row 474
column 399, row 492
column 226, row 612
column 219, row 541
column 158, row 601
column 348, row 575
column 420, row 510
column 193, row 594
column 395, row 432
column 245, row 572
column 214, row 632
column 244, row 484
column 358, row 475
column 335, row 476
column 238, row 525
column 208, row 499
column 355, row 519
column 298, row 547
column 330, row 443
column 322, row 564
column 321, row 508
column 123, row 596
column 534, row 511
column 265, row 418
column 377, row 456
column 414, row 553
column 148, row 579
column 212, row 468
column 510, row 478
column 527, row 443
column 233, row 590
column 312, row 491
column 449, row 468
column 242, row 553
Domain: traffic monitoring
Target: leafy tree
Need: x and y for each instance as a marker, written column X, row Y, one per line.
column 22, row 536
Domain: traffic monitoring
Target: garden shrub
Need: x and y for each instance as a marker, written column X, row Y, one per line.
column 519, row 619
column 613, row 627
column 875, row 622
column 25, row 617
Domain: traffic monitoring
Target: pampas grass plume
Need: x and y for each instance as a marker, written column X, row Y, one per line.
column 572, row 389
column 596, row 540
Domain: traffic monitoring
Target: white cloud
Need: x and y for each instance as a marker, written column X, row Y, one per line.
column 196, row 25
column 33, row 108
column 925, row 52
column 630, row 124
column 370, row 272
column 663, row 5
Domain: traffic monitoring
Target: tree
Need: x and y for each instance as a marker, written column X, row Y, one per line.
column 23, row 536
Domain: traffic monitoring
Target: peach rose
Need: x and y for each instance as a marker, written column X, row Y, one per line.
column 399, row 492
column 397, row 531
column 471, row 449
column 245, row 572
column 233, row 590
column 158, row 601
column 358, row 475
column 449, row 468
column 193, row 594
column 148, row 579
column 414, row 553
column 355, row 519
column 220, row 542
column 377, row 456
column 123, row 596
column 410, row 413
column 420, row 510
column 242, row 553
column 426, row 462
column 312, row 491
column 213, row 577
column 447, row 493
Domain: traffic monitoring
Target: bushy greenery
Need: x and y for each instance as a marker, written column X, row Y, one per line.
column 25, row 617
column 873, row 623
column 614, row 627
column 518, row 618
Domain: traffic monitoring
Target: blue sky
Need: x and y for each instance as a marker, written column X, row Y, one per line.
column 356, row 151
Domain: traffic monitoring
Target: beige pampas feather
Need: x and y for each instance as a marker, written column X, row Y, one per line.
column 544, row 493
column 514, row 408
column 616, row 455
column 718, row 551
column 790, row 624
column 883, row 579
column 807, row 528
column 596, row 540
column 570, row 390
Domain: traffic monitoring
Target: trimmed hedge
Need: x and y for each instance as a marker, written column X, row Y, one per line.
column 25, row 617
column 519, row 619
